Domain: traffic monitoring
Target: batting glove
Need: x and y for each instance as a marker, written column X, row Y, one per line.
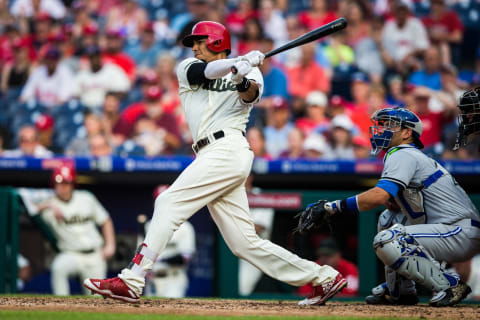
column 243, row 68
column 255, row 58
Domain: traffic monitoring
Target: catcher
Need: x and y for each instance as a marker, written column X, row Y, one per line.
column 469, row 117
column 443, row 224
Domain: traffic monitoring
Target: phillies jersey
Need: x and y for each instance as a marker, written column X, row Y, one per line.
column 78, row 230
column 215, row 104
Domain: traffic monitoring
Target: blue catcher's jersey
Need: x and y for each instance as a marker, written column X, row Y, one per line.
column 428, row 193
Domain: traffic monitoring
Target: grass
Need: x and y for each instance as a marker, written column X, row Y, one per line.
column 54, row 315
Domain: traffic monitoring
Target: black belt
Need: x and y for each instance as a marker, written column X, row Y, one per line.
column 206, row 141
column 86, row 251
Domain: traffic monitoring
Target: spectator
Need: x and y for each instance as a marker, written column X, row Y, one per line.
column 396, row 96
column 128, row 17
column 361, row 147
column 306, row 77
column 80, row 146
column 430, row 75
column 29, row 145
column 433, row 122
column 316, row 147
column 114, row 54
column 168, row 83
column 111, row 120
column 318, row 15
column 73, row 216
column 469, row 272
column 83, row 21
column 251, row 36
column 341, row 138
column 375, row 101
column 358, row 17
column 44, row 124
column 338, row 105
column 273, row 21
column 16, row 72
column 403, row 38
column 145, row 52
column 445, row 30
column 100, row 146
column 237, row 18
column 316, row 118
column 30, row 8
column 296, row 138
column 92, row 84
column 162, row 127
column 6, row 18
column 338, row 52
column 274, row 83
column 256, row 139
column 276, row 133
column 328, row 253
column 50, row 84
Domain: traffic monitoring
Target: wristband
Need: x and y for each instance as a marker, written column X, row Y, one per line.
column 244, row 85
column 349, row 205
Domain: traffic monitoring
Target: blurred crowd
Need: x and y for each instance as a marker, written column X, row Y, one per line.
column 97, row 78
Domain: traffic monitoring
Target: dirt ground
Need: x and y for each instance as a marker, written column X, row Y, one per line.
column 235, row 307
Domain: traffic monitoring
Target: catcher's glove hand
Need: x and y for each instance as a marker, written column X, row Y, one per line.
column 315, row 215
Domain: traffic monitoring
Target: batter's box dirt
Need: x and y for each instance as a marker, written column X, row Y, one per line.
column 222, row 307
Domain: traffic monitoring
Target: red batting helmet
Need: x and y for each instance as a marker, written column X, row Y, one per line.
column 218, row 37
column 63, row 173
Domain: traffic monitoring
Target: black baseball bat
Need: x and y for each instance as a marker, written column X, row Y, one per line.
column 313, row 35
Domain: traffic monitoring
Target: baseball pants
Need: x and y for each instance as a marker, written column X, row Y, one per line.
column 449, row 243
column 216, row 179
column 69, row 264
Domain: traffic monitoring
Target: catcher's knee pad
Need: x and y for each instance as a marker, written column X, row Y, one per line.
column 388, row 218
column 401, row 252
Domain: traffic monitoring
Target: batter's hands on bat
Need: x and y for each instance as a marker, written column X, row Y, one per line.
column 315, row 215
column 243, row 68
column 255, row 58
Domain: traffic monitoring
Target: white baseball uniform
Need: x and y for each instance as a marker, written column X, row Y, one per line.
column 78, row 239
column 216, row 179
column 171, row 281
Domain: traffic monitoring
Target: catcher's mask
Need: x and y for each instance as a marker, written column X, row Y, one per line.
column 469, row 116
column 390, row 120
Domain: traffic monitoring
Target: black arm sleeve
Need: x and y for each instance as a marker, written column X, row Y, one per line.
column 196, row 73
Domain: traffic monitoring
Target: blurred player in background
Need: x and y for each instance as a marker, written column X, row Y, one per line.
column 168, row 277
column 249, row 275
column 73, row 216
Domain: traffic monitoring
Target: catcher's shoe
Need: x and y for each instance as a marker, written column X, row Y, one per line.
column 113, row 288
column 381, row 296
column 451, row 296
column 322, row 293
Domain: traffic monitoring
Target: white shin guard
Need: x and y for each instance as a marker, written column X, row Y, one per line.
column 399, row 251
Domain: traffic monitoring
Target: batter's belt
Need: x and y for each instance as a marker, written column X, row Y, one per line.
column 207, row 140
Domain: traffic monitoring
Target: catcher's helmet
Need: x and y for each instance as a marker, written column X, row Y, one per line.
column 218, row 37
column 63, row 173
column 386, row 119
column 469, row 116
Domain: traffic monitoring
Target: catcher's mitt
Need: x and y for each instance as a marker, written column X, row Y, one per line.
column 315, row 215
column 469, row 116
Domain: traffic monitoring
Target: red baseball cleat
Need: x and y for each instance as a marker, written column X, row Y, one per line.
column 113, row 288
column 322, row 293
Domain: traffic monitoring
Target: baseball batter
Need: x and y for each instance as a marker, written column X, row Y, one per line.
column 217, row 104
column 444, row 225
column 73, row 216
